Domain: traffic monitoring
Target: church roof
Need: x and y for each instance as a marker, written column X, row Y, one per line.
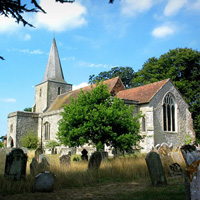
column 53, row 69
column 142, row 94
column 114, row 85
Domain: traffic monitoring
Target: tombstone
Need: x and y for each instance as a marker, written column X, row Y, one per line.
column 157, row 146
column 41, row 156
column 44, row 182
column 15, row 167
column 34, row 167
column 84, row 155
column 104, row 155
column 95, row 161
column 190, row 154
column 38, row 151
column 155, row 168
column 171, row 146
column 192, row 181
column 177, row 157
column 44, row 165
column 65, row 160
column 175, row 170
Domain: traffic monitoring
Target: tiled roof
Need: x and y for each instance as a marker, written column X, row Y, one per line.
column 114, row 85
column 142, row 94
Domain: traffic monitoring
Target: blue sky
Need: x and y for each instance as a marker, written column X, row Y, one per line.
column 92, row 36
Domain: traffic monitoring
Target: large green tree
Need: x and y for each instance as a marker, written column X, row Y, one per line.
column 125, row 73
column 97, row 118
column 182, row 66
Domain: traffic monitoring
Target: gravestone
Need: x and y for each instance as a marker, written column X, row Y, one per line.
column 177, row 157
column 44, row 165
column 175, row 170
column 190, row 154
column 95, row 161
column 44, row 182
column 104, row 155
column 84, row 155
column 41, row 156
column 34, row 167
column 15, row 167
column 65, row 160
column 38, row 151
column 155, row 168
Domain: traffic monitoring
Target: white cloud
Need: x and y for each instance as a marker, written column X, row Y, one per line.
column 68, row 58
column 81, row 85
column 36, row 51
column 8, row 25
column 133, row 7
column 163, row 31
column 173, row 7
column 93, row 65
column 195, row 5
column 27, row 37
column 60, row 17
column 10, row 100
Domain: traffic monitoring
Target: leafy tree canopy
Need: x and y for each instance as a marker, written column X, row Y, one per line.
column 30, row 140
column 29, row 109
column 96, row 118
column 125, row 73
column 182, row 66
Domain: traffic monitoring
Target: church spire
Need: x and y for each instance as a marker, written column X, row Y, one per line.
column 53, row 69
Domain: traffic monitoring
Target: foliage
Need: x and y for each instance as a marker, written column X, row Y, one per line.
column 188, row 139
column 96, row 118
column 30, row 140
column 51, row 145
column 1, row 144
column 182, row 66
column 125, row 73
column 29, row 109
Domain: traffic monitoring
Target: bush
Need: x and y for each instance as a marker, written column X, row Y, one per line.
column 30, row 140
column 51, row 145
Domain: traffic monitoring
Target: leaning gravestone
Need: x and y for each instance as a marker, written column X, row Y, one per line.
column 155, row 168
column 95, row 161
column 38, row 151
column 65, row 160
column 44, row 165
column 44, row 182
column 175, row 170
column 192, row 172
column 15, row 167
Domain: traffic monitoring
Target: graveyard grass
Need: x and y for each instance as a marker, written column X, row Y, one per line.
column 120, row 178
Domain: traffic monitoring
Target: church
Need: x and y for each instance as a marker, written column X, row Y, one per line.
column 166, row 116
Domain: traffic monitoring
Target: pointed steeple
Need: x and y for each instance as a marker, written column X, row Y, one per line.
column 53, row 69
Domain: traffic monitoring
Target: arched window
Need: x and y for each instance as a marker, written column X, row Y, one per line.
column 143, row 124
column 10, row 142
column 59, row 91
column 169, row 113
column 46, row 131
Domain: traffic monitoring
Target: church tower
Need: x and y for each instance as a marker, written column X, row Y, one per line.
column 53, row 83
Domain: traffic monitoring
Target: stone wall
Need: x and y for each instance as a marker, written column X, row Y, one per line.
column 182, row 119
column 22, row 122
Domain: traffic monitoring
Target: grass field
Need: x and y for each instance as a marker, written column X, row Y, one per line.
column 120, row 178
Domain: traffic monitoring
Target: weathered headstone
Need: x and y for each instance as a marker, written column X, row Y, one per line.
column 44, row 165
column 84, row 155
column 177, row 157
column 15, row 167
column 175, row 170
column 104, row 155
column 155, row 168
column 34, row 167
column 38, row 151
column 65, row 160
column 44, row 182
column 41, row 156
column 190, row 154
column 95, row 161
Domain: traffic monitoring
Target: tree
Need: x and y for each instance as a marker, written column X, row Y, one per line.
column 182, row 66
column 125, row 73
column 29, row 109
column 51, row 145
column 96, row 118
column 30, row 140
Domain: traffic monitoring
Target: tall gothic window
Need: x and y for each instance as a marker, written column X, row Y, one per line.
column 47, row 131
column 169, row 113
column 143, row 124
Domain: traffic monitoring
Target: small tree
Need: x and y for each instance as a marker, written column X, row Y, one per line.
column 51, row 145
column 29, row 109
column 97, row 118
column 30, row 140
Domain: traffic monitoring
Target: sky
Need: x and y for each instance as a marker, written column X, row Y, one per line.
column 92, row 36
